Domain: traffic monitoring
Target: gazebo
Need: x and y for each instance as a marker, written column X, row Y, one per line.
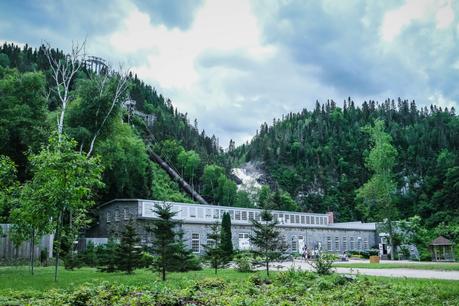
column 442, row 249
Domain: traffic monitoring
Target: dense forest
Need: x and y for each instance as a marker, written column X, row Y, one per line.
column 318, row 157
column 29, row 106
column 314, row 160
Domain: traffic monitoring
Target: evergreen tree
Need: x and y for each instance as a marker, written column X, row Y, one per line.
column 184, row 259
column 128, row 254
column 266, row 238
column 106, row 256
column 164, row 241
column 226, row 237
column 214, row 252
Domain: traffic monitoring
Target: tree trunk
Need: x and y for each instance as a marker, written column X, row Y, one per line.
column 58, row 238
column 32, row 251
column 164, row 272
column 267, row 267
column 391, row 241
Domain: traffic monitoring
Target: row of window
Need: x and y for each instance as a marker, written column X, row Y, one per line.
column 116, row 215
column 244, row 215
column 354, row 244
column 296, row 244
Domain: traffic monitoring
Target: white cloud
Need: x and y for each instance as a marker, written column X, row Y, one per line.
column 170, row 54
column 439, row 99
column 395, row 21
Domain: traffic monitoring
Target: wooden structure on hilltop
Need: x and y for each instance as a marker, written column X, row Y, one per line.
column 442, row 249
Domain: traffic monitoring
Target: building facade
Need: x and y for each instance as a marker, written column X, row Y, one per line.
column 315, row 231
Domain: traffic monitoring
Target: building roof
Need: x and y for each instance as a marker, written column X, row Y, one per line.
column 440, row 240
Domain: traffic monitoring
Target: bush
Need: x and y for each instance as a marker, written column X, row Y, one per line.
column 72, row 261
column 322, row 265
column 243, row 262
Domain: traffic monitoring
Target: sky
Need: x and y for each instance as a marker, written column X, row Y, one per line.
column 234, row 64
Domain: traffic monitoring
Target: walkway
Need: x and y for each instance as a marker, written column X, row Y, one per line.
column 410, row 273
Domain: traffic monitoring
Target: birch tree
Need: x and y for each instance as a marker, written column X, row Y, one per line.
column 63, row 72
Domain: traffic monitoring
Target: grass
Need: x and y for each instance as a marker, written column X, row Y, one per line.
column 18, row 286
column 415, row 266
column 19, row 278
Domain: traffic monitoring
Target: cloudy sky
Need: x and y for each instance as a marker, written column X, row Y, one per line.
column 235, row 64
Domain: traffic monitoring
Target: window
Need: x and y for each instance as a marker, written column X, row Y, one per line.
column 257, row 216
column 195, row 243
column 312, row 220
column 344, row 243
column 317, row 220
column 208, row 213
column 243, row 241
column 351, row 243
column 215, row 213
column 321, row 220
column 231, row 212
column 275, row 216
column 292, row 218
column 125, row 214
column 117, row 215
column 359, row 243
column 336, row 243
column 192, row 212
column 281, row 218
column 329, row 244
column 294, row 245
column 244, row 215
column 325, row 220
column 108, row 217
column 238, row 215
column 251, row 215
column 184, row 212
column 365, row 244
column 287, row 218
column 308, row 220
column 297, row 219
column 200, row 213
column 302, row 220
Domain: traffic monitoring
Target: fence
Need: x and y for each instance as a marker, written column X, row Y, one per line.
column 10, row 251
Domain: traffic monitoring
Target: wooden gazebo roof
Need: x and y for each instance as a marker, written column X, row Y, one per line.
column 440, row 240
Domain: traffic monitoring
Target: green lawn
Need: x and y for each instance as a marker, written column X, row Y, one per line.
column 86, row 286
column 19, row 278
column 421, row 266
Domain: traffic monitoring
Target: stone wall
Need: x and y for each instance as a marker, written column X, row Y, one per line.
column 329, row 239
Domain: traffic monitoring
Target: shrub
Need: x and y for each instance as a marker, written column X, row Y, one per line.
column 322, row 265
column 243, row 262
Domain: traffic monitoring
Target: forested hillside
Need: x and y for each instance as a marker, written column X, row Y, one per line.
column 29, row 106
column 318, row 157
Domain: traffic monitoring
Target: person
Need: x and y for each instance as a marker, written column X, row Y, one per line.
column 305, row 252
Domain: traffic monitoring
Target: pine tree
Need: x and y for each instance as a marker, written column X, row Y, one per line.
column 267, row 238
column 128, row 254
column 184, row 259
column 214, row 252
column 164, row 241
column 106, row 257
column 226, row 237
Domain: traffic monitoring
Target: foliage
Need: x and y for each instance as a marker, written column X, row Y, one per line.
column 128, row 253
column 105, row 257
column 323, row 263
column 23, row 122
column 243, row 262
column 183, row 258
column 318, row 157
column 285, row 288
column 227, row 237
column 163, row 236
column 9, row 187
column 214, row 251
column 266, row 238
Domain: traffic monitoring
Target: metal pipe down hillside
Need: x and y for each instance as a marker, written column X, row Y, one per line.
column 183, row 184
